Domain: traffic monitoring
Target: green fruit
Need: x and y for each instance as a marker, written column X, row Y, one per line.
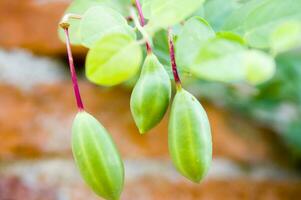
column 189, row 137
column 151, row 95
column 97, row 157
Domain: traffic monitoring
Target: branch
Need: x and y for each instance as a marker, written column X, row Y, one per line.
column 141, row 30
column 65, row 25
column 173, row 60
column 142, row 23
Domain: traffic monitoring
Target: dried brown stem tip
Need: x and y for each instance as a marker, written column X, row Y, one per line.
column 64, row 23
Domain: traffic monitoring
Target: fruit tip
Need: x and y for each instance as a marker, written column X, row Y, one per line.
column 195, row 180
column 142, row 131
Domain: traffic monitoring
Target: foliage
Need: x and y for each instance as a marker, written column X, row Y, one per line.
column 219, row 52
column 275, row 103
column 237, row 42
column 113, row 59
column 242, row 53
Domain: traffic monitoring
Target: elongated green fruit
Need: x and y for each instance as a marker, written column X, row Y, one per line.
column 189, row 137
column 97, row 157
column 151, row 95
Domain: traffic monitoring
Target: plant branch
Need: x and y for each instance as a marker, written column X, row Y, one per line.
column 138, row 26
column 79, row 102
column 142, row 23
column 173, row 59
column 64, row 23
column 139, row 8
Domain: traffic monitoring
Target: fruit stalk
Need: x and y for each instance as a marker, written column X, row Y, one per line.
column 142, row 23
column 78, row 98
column 173, row 60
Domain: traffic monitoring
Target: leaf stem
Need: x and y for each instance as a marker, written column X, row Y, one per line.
column 173, row 59
column 142, row 23
column 64, row 21
column 78, row 98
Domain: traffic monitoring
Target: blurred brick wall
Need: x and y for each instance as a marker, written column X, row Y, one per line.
column 32, row 24
column 37, row 108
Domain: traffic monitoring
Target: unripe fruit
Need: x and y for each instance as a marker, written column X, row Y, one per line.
column 151, row 95
column 189, row 137
column 97, row 157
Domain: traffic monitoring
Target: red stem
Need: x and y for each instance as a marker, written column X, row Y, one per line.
column 79, row 102
column 142, row 22
column 173, row 59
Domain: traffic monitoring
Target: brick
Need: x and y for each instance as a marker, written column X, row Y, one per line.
column 239, row 189
column 152, row 188
column 32, row 24
column 37, row 123
column 59, row 179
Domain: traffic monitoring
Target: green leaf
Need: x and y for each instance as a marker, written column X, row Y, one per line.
column 195, row 33
column 76, row 7
column 217, row 11
column 99, row 21
column 200, row 12
column 166, row 13
column 228, row 61
column 113, row 59
column 81, row 6
column 285, row 37
column 231, row 36
column 146, row 8
column 257, row 19
column 235, row 21
column 122, row 6
column 260, row 67
column 219, row 60
column 261, row 22
column 161, row 50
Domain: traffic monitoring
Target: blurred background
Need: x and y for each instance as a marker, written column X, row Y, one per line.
column 256, row 131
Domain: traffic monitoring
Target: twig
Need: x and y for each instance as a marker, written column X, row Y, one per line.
column 173, row 59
